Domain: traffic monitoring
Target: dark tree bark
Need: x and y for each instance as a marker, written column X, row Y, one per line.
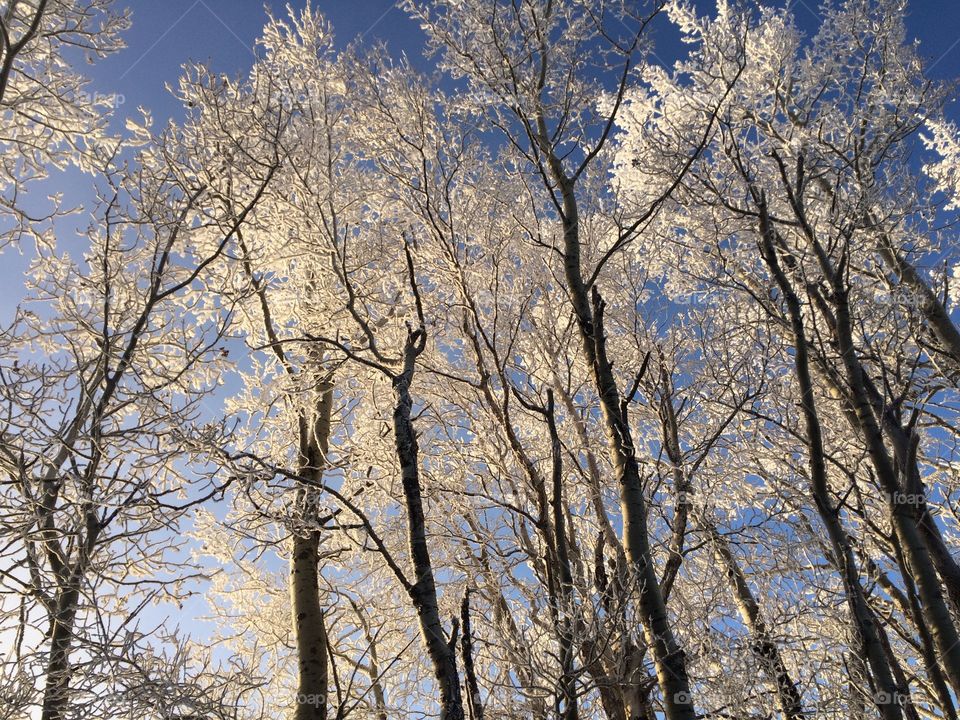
column 423, row 591
column 466, row 648
column 864, row 623
column 308, row 615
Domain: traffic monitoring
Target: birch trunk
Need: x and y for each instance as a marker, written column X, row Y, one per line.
column 669, row 660
column 423, row 591
column 863, row 620
column 308, row 616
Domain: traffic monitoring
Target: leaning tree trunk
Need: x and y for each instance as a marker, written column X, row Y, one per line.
column 903, row 513
column 904, row 442
column 862, row 617
column 762, row 644
column 519, row 662
column 14, row 48
column 308, row 616
column 923, row 297
column 423, row 591
column 669, row 659
column 761, row 641
column 933, row 309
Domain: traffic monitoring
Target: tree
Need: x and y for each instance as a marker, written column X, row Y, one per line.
column 528, row 68
column 832, row 179
column 51, row 120
column 107, row 365
column 558, row 384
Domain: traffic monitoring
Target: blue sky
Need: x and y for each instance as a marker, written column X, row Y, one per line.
column 167, row 33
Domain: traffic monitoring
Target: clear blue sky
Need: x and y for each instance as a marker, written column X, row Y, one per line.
column 166, row 33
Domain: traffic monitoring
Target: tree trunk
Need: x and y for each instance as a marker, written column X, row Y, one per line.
column 308, row 616
column 910, row 488
column 309, row 630
column 681, row 484
column 902, row 511
column 56, row 694
column 762, row 643
column 934, row 311
column 669, row 660
column 863, row 620
column 57, row 687
column 518, row 653
column 927, row 648
column 466, row 647
column 423, row 591
column 566, row 613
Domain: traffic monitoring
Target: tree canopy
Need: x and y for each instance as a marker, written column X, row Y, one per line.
column 557, row 384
